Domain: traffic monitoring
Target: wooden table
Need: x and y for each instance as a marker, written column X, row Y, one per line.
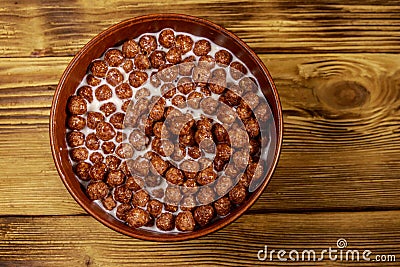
column 337, row 69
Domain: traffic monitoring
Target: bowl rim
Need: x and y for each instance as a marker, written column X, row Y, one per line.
column 186, row 235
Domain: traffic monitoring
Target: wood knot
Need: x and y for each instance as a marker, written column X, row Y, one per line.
column 343, row 94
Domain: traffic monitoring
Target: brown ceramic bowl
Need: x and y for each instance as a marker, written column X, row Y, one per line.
column 130, row 29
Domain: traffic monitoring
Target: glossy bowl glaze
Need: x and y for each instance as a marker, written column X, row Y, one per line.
column 130, row 29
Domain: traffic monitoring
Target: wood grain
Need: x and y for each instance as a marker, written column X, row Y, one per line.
column 59, row 28
column 82, row 241
column 335, row 156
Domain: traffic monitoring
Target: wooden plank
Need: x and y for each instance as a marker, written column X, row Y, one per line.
column 60, row 28
column 334, row 156
column 82, row 241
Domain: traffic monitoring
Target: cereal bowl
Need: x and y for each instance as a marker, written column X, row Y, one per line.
column 166, row 127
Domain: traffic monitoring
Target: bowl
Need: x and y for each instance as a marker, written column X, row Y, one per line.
column 132, row 28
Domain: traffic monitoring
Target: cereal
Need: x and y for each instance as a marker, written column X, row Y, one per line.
column 97, row 190
column 75, row 139
column 166, row 221
column 98, row 171
column 165, row 130
column 130, row 49
column 204, row 214
column 77, row 105
column 76, row 122
column 114, row 57
column 137, row 217
column 99, row 68
column 167, row 38
column 185, row 221
column 82, row 170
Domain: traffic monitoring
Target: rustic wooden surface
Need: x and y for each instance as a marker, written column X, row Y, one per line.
column 337, row 69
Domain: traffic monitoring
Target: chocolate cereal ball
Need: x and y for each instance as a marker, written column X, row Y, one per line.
column 190, row 168
column 185, row 221
column 82, row 170
column 174, row 176
column 168, row 90
column 166, row 221
column 224, row 152
column 163, row 147
column 124, row 151
column 123, row 91
column 93, row 118
column 223, row 185
column 201, row 75
column 96, row 157
column 167, row 38
column 114, row 77
column 108, row 147
column 128, row 65
column 79, row 154
column 186, row 85
column 97, row 190
column 114, row 57
column 202, row 48
column 140, row 198
column 194, row 152
column 117, row 120
column 179, row 101
column 108, row 108
column 148, row 43
column 99, row 68
column 122, row 210
column 238, row 194
column 76, row 105
column 157, row 59
column 193, row 99
column 209, row 105
column 237, row 70
column 206, row 176
column 223, row 58
column 241, row 159
column 75, row 139
column 142, row 93
column 122, row 194
column 252, row 127
column 205, row 195
column 226, row 114
column 76, row 122
column 262, row 112
column 187, row 65
column 170, row 208
column 160, row 130
column 130, row 49
column 207, row 62
column 109, row 203
column 188, row 203
column 103, row 92
column 238, row 137
column 184, row 43
column 137, row 217
column 220, row 134
column 142, row 62
column 98, row 171
column 189, row 187
column 105, row 131
column 115, row 178
column 154, row 207
column 137, row 78
column 179, row 152
column 155, row 79
column 112, row 162
column 92, row 81
column 204, row 214
column 251, row 99
column 174, row 55
column 92, row 142
column 134, row 183
column 159, row 165
column 223, row 206
column 86, row 92
column 138, row 140
column 168, row 72
column 248, row 84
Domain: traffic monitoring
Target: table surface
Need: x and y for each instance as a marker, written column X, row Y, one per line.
column 336, row 65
